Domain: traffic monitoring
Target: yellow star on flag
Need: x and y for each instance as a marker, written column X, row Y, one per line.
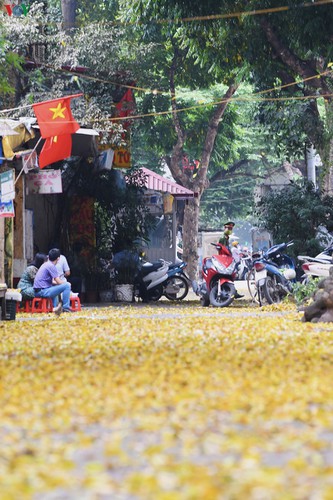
column 58, row 112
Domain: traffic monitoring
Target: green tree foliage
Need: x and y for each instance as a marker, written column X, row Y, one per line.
column 9, row 63
column 287, row 46
column 280, row 46
column 295, row 213
column 123, row 221
column 89, row 60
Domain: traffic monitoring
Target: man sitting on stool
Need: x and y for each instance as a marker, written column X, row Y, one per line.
column 44, row 288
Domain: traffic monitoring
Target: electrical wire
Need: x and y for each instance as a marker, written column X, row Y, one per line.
column 212, row 17
column 250, row 98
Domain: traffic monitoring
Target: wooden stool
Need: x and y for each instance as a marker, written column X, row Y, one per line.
column 41, row 305
column 75, row 303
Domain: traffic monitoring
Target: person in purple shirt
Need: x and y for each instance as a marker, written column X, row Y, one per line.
column 47, row 283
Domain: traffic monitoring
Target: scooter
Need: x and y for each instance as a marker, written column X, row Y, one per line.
column 149, row 278
column 177, row 285
column 319, row 266
column 244, row 266
column 218, row 272
column 274, row 271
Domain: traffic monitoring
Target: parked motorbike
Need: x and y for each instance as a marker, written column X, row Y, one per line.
column 244, row 266
column 319, row 266
column 274, row 273
column 218, row 272
column 147, row 277
column 153, row 279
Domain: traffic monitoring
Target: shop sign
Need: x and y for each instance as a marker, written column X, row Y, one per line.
column 46, row 182
column 7, row 186
column 122, row 158
column 7, row 209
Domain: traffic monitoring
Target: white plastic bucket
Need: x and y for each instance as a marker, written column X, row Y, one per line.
column 124, row 293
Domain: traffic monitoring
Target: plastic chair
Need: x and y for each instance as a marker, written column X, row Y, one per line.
column 41, row 305
column 75, row 303
column 24, row 306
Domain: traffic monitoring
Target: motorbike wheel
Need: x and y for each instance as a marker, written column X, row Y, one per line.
column 176, row 288
column 251, row 286
column 155, row 294
column 271, row 291
column 204, row 301
column 226, row 296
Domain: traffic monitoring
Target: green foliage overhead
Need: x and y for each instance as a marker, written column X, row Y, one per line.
column 295, row 213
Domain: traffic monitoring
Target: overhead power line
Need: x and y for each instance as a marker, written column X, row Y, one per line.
column 250, row 98
column 211, row 17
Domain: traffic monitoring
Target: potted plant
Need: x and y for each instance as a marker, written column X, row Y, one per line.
column 106, row 283
column 125, row 265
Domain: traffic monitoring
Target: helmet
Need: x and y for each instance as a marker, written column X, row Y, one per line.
column 234, row 243
column 289, row 274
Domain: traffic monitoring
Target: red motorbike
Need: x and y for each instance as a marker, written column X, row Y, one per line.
column 218, row 273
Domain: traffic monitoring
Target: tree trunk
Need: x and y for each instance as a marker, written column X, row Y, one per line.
column 328, row 176
column 200, row 183
column 328, row 153
column 68, row 9
column 190, row 236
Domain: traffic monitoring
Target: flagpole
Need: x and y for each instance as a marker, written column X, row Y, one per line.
column 30, row 155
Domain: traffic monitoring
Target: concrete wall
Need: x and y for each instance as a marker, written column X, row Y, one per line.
column 44, row 208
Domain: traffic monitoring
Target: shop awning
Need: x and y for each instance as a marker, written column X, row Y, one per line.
column 157, row 182
column 83, row 142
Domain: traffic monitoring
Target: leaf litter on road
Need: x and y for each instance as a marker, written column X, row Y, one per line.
column 167, row 402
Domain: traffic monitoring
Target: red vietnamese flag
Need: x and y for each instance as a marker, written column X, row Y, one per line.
column 55, row 149
column 55, row 117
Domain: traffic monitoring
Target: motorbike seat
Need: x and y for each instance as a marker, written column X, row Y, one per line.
column 150, row 267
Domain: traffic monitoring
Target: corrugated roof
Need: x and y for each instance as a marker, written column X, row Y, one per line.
column 157, row 182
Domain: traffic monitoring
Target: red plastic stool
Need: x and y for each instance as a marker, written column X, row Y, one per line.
column 75, row 303
column 24, row 306
column 41, row 305
column 28, row 306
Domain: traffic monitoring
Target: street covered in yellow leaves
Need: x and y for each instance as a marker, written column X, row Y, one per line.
column 167, row 402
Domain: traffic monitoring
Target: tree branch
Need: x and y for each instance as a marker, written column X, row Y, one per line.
column 175, row 163
column 305, row 69
column 212, row 129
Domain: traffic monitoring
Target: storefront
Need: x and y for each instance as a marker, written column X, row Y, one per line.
column 165, row 199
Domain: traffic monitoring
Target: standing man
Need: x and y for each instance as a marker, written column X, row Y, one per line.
column 48, row 285
column 228, row 229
